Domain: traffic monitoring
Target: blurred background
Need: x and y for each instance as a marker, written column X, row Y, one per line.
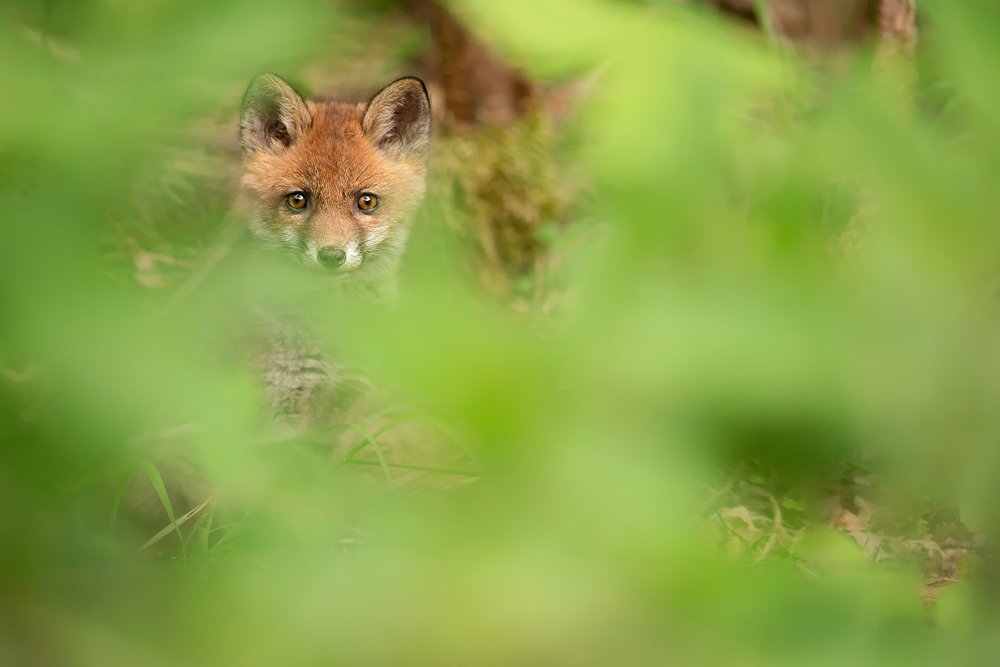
column 696, row 358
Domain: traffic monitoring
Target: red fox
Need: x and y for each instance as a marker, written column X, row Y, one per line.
column 335, row 184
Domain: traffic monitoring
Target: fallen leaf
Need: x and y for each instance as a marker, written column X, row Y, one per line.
column 851, row 522
column 151, row 280
column 866, row 510
column 740, row 521
column 147, row 261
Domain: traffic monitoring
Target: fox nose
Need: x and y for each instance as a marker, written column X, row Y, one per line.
column 331, row 257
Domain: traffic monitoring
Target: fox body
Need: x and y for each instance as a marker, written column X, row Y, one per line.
column 335, row 185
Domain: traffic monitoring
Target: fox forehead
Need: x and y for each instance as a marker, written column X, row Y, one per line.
column 331, row 161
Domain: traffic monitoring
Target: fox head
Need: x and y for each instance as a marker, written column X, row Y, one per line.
column 334, row 184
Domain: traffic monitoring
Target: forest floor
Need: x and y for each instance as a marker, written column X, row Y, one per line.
column 521, row 193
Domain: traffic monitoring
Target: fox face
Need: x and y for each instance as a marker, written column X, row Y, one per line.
column 335, row 185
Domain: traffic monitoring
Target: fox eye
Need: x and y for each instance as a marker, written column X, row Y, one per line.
column 296, row 201
column 367, row 202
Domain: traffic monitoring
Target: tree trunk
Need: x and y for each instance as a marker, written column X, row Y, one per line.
column 478, row 87
column 828, row 22
column 897, row 26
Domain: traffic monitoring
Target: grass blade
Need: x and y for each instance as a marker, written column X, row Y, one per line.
column 161, row 491
column 207, row 530
column 229, row 534
column 389, row 410
column 444, row 428
column 442, row 471
column 122, row 481
column 401, row 418
column 378, row 450
column 174, row 525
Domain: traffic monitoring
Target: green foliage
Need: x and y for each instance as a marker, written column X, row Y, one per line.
column 496, row 188
column 781, row 290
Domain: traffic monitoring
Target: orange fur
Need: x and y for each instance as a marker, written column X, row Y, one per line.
column 333, row 153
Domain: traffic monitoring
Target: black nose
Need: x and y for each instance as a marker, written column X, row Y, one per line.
column 331, row 257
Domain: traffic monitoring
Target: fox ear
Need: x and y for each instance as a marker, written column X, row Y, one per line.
column 398, row 119
column 273, row 116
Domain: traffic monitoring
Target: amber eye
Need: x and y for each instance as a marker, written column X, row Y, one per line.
column 367, row 202
column 296, row 200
